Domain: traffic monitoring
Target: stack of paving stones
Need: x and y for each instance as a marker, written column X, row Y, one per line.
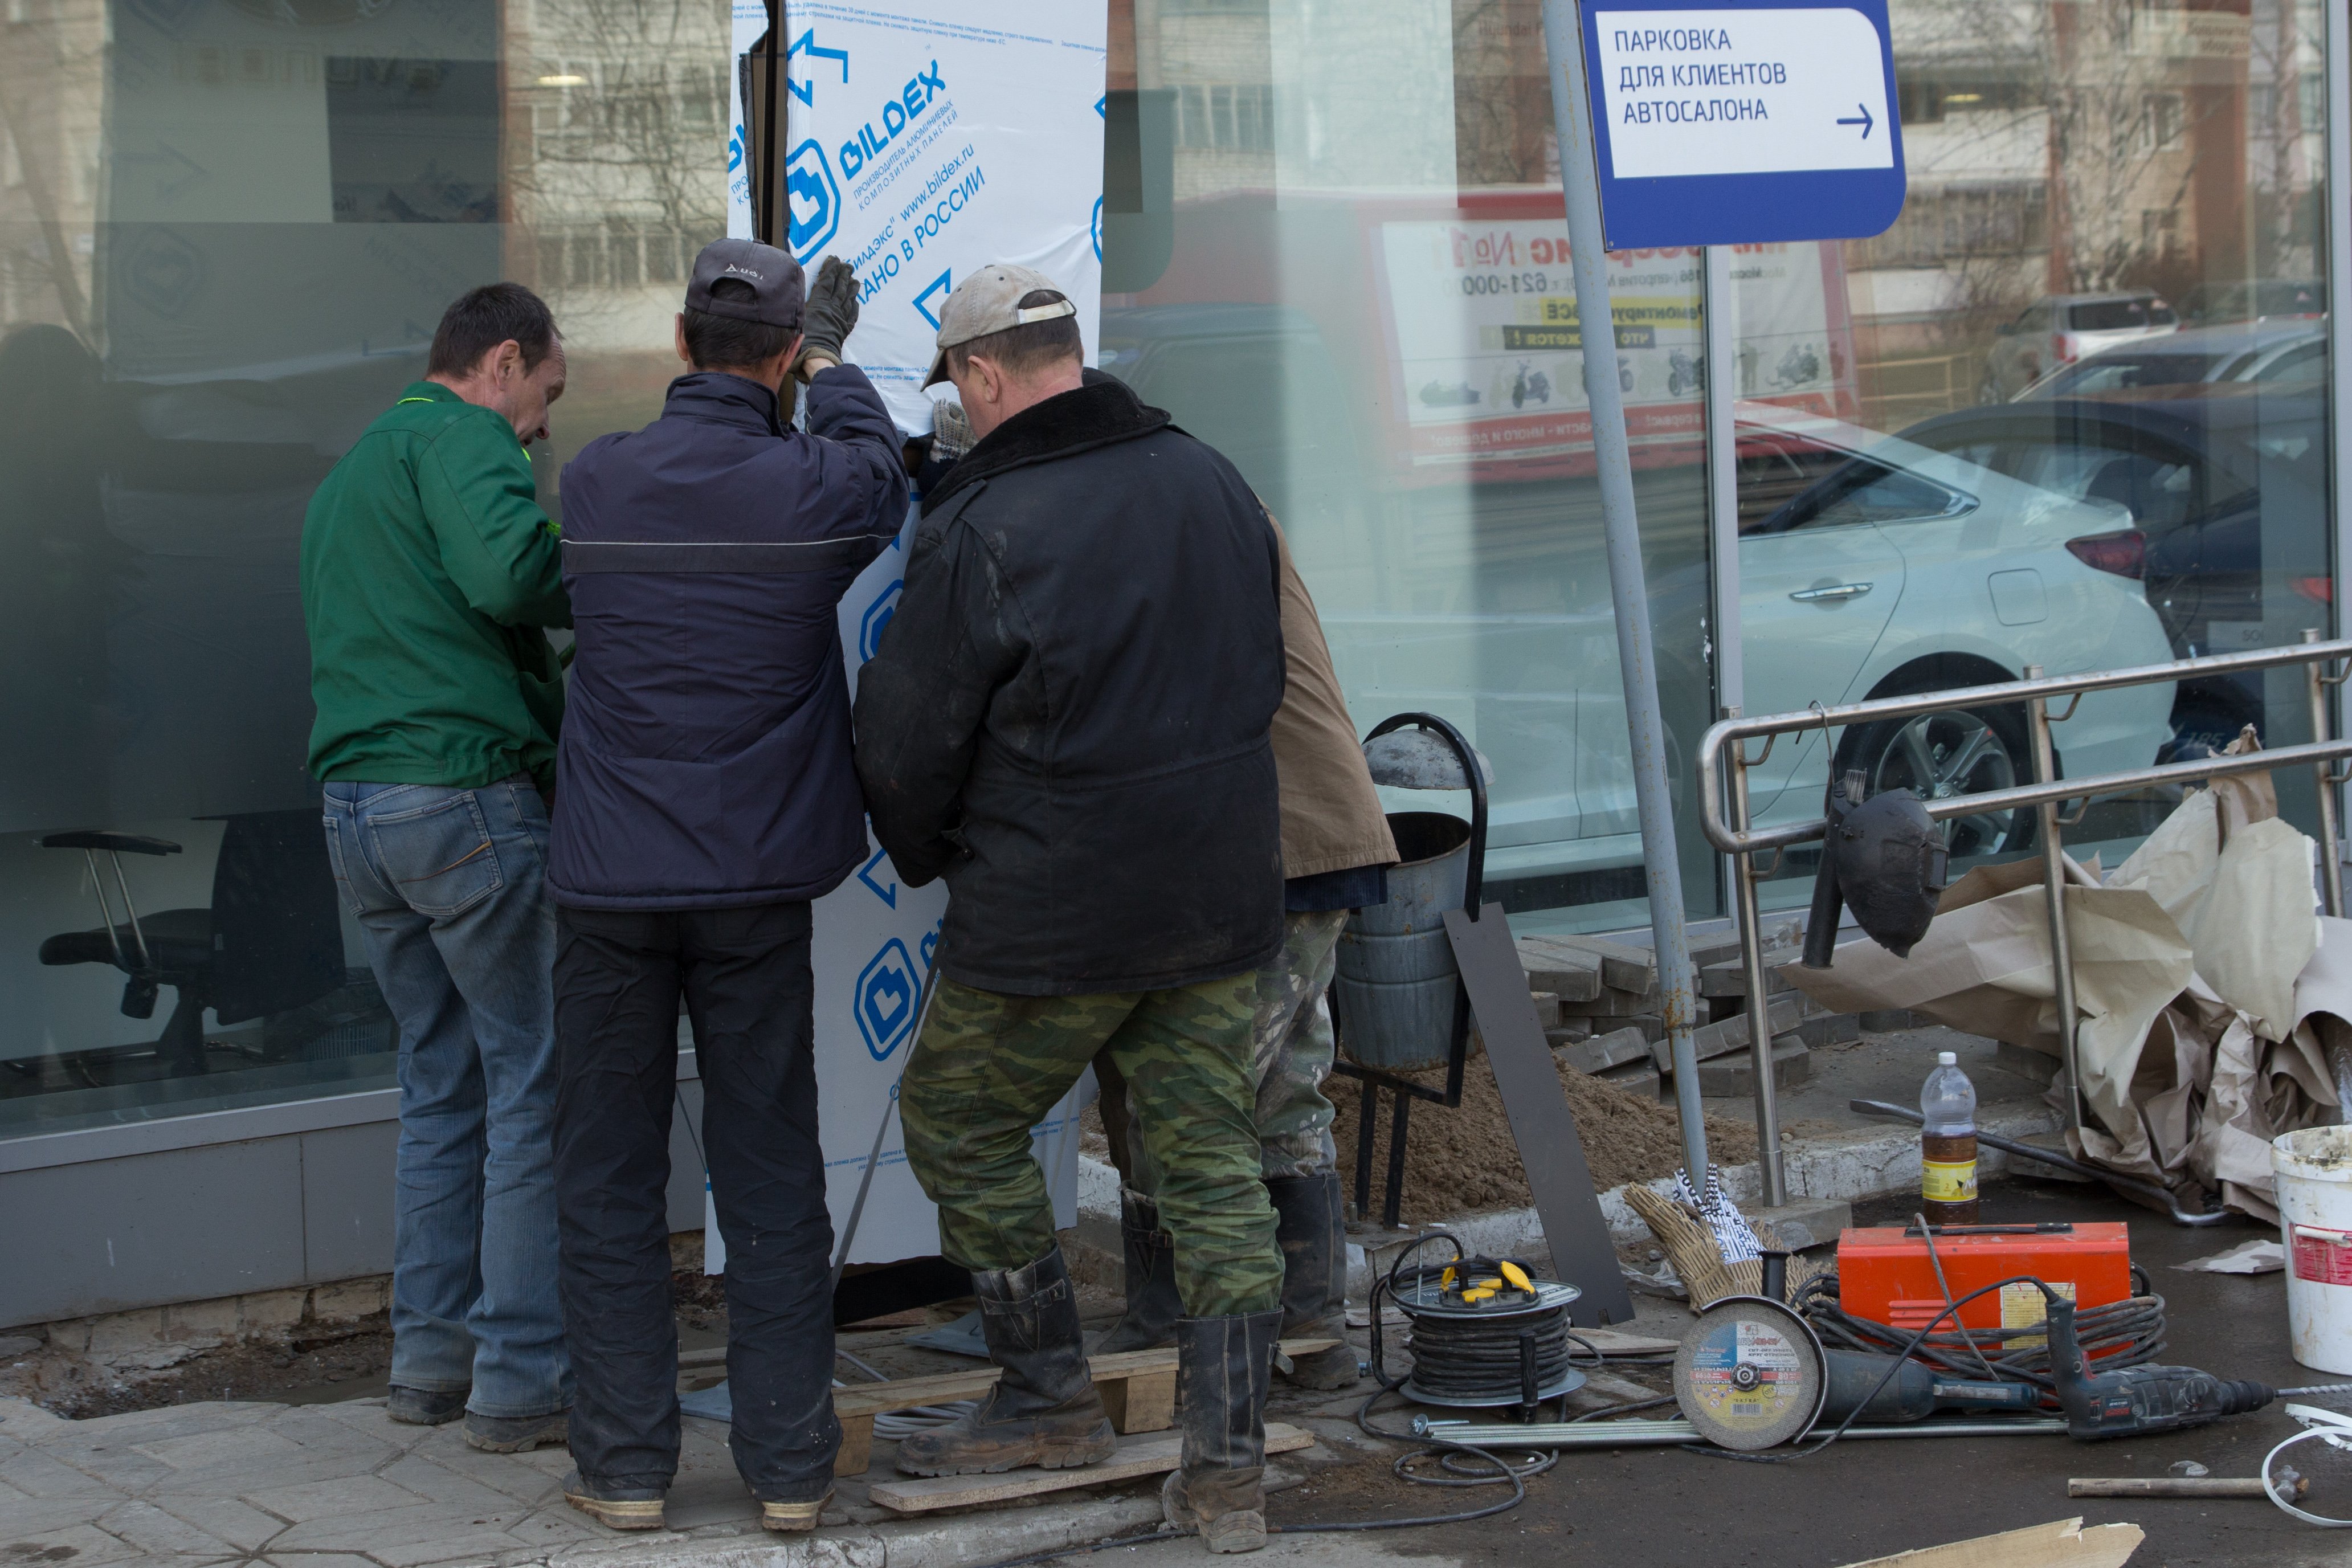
column 1601, row 1006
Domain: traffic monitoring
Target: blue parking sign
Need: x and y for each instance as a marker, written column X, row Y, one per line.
column 1759, row 121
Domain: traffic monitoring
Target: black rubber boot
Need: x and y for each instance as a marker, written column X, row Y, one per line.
column 1311, row 1226
column 1223, row 1369
column 1152, row 1307
column 1045, row 1410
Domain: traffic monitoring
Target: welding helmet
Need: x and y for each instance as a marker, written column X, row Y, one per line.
column 1884, row 859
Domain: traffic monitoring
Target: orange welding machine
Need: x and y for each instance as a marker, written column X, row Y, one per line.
column 1887, row 1273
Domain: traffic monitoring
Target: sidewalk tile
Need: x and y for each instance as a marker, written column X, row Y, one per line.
column 23, row 1521
column 37, row 1474
column 239, row 1523
column 317, row 1560
column 84, row 1545
column 152, row 1530
column 228, row 1448
column 322, row 1435
column 510, row 1474
column 28, row 1422
column 418, row 1474
column 404, row 1530
column 334, row 1498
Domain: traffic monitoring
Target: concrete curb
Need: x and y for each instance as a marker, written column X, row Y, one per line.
column 952, row 1540
column 1864, row 1163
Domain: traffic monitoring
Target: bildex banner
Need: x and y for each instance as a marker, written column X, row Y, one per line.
column 918, row 147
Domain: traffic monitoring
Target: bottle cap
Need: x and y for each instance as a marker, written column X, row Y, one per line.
column 1948, row 1058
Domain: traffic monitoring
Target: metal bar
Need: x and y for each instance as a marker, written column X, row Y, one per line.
column 2337, row 72
column 1393, row 1205
column 2331, row 859
column 1505, row 1438
column 1719, row 335
column 1366, row 1108
column 2054, row 884
column 106, row 910
column 1721, row 836
column 2006, row 691
column 1759, row 1000
column 1571, row 110
column 122, row 885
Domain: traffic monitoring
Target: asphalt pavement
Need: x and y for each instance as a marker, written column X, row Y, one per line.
column 1853, row 1503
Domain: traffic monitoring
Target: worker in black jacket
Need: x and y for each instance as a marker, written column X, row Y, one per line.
column 705, row 794
column 1067, row 719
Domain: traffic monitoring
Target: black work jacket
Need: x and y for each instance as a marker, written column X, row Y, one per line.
column 1068, row 715
column 705, row 761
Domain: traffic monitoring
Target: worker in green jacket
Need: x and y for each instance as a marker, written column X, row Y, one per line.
column 429, row 575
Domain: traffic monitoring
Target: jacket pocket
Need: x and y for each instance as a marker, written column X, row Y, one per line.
column 438, row 858
column 640, row 828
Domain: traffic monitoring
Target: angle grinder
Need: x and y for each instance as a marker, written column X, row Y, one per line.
column 1751, row 1375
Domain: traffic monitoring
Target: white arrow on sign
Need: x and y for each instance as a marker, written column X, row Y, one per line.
column 1751, row 91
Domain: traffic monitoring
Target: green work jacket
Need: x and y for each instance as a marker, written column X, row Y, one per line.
column 428, row 572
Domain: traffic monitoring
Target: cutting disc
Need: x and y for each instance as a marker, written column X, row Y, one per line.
column 1750, row 1374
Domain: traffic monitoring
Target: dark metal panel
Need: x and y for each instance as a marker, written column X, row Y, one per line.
column 686, row 1158
column 111, row 1235
column 347, row 1201
column 1541, row 1124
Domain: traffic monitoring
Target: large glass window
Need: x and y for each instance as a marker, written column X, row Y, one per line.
column 227, row 232
column 2082, row 423
column 1368, row 307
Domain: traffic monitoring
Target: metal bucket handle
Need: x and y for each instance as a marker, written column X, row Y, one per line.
column 1473, row 886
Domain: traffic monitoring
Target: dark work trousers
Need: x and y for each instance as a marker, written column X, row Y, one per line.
column 744, row 973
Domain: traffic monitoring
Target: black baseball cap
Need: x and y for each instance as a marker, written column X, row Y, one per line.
column 775, row 278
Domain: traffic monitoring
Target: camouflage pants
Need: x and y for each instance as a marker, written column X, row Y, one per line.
column 1291, row 1052
column 988, row 1066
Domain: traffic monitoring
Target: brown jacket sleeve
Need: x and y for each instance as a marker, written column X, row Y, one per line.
column 1331, row 815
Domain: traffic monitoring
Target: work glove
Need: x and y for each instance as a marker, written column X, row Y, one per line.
column 830, row 313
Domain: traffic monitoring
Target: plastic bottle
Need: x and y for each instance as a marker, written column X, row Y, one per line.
column 1947, row 1144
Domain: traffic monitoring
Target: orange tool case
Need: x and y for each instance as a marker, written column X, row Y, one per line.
column 1885, row 1275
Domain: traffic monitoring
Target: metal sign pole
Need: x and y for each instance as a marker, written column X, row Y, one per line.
column 1571, row 110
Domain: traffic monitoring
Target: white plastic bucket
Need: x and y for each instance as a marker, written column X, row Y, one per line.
column 2315, row 1198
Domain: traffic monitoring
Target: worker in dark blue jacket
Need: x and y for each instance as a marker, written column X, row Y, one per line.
column 704, row 795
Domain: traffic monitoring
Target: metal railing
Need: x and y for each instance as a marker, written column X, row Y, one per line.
column 1734, row 835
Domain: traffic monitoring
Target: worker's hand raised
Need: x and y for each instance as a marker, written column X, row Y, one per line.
column 829, row 316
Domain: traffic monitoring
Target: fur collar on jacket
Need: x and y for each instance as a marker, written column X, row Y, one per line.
column 1098, row 413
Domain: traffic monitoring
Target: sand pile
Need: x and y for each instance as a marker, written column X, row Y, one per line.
column 1462, row 1161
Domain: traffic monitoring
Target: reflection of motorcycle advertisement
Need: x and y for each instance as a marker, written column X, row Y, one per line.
column 1490, row 352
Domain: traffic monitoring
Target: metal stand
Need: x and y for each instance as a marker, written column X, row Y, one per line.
column 2054, row 884
column 1571, row 108
column 2316, row 680
column 1745, row 875
column 1402, row 1090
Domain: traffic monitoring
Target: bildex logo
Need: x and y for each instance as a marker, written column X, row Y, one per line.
column 814, row 198
column 897, row 114
column 888, row 989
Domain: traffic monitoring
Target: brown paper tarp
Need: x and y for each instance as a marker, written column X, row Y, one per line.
column 2207, row 992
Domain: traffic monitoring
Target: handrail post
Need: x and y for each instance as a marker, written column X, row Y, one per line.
column 2054, row 880
column 2331, row 865
column 1759, row 1000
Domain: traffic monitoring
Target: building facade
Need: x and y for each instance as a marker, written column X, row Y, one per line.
column 2075, row 409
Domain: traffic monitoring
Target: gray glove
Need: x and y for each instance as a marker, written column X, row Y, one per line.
column 830, row 313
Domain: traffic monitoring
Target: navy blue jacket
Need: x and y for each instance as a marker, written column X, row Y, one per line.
column 704, row 761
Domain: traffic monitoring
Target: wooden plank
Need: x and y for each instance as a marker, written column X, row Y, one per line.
column 2063, row 1543
column 856, row 1451
column 908, row 1393
column 1137, row 1457
column 2173, row 1485
column 1142, row 1402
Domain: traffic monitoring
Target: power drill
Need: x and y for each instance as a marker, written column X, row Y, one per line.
column 2136, row 1399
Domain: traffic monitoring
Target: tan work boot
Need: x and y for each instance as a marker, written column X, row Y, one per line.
column 792, row 1516
column 1222, row 1367
column 1045, row 1410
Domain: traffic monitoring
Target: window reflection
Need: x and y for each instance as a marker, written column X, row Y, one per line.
column 2099, row 317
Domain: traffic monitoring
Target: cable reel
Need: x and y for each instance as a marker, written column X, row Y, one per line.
column 1484, row 1333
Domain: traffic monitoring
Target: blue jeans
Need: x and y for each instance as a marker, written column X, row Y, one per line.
column 449, row 888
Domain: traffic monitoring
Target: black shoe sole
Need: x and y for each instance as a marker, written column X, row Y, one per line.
column 1073, row 1453
column 546, row 1437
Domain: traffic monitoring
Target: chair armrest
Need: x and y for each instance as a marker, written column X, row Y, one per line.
column 109, row 842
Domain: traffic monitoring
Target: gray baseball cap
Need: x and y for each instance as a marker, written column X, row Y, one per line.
column 774, row 277
column 990, row 302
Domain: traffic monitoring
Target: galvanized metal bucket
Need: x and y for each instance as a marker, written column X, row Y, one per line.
column 1398, row 985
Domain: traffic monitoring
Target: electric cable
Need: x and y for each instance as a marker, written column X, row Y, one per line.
column 1894, row 1366
column 2116, row 1335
